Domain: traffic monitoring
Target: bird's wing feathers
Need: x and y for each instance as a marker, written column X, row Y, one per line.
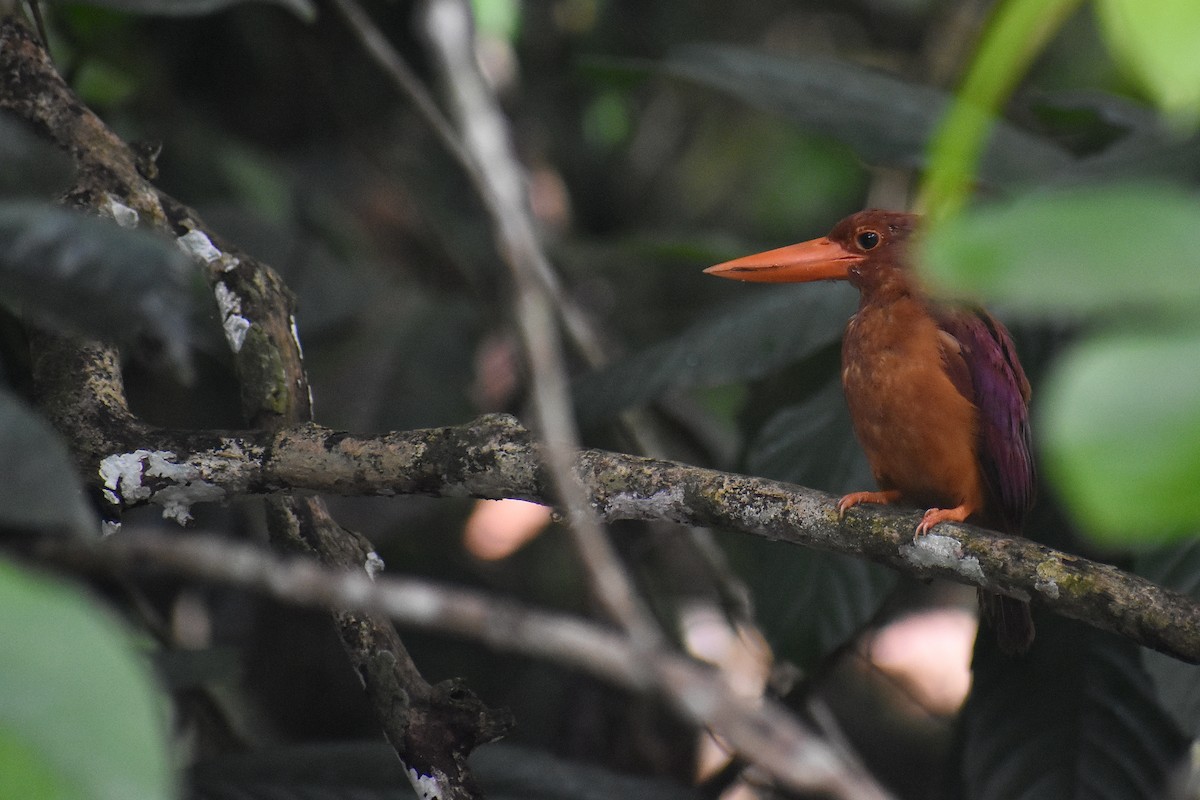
column 982, row 363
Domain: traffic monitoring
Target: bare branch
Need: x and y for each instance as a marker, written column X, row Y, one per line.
column 761, row 732
column 494, row 457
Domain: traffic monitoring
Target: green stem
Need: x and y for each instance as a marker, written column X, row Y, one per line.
column 1019, row 31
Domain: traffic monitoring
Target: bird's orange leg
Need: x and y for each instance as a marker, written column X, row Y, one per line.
column 935, row 515
column 854, row 498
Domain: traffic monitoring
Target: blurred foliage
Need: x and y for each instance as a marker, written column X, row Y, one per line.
column 661, row 137
column 80, row 715
column 1123, row 456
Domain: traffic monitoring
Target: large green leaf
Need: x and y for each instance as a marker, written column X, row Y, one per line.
column 769, row 329
column 1075, row 718
column 1157, row 44
column 885, row 120
column 88, row 275
column 1120, row 427
column 1082, row 250
column 42, row 491
column 304, row 9
column 79, row 714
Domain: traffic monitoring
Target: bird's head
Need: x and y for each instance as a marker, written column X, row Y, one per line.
column 864, row 248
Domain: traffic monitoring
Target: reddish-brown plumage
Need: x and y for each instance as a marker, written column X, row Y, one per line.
column 938, row 399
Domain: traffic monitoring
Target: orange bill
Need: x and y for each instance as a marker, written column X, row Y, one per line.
column 814, row 260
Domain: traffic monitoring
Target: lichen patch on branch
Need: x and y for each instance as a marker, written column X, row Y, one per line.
column 155, row 476
column 943, row 552
column 122, row 214
column 232, row 321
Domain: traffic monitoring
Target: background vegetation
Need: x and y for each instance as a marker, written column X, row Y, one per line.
column 660, row 137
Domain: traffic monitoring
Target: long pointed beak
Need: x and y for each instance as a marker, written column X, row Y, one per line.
column 814, row 260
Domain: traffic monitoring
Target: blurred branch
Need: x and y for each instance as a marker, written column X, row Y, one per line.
column 432, row 728
column 763, row 732
column 499, row 179
column 494, row 457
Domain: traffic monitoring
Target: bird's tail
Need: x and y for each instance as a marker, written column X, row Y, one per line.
column 1010, row 619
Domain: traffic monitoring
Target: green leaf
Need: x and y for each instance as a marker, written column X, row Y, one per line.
column 1082, row 250
column 1017, row 32
column 1156, row 42
column 1120, row 424
column 304, row 9
column 79, row 714
column 769, row 329
column 1075, row 718
column 886, row 121
column 88, row 275
column 42, row 491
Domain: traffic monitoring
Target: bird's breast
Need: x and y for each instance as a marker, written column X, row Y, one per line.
column 918, row 430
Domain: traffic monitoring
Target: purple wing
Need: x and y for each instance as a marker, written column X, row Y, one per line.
column 987, row 372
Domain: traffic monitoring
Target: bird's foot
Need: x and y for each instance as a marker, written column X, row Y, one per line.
column 854, row 498
column 935, row 515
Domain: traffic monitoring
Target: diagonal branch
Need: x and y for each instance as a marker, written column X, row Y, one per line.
column 761, row 732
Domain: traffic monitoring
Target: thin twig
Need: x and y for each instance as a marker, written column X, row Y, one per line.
column 448, row 26
column 583, row 337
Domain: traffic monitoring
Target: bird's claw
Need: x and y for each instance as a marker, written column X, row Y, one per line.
column 934, row 516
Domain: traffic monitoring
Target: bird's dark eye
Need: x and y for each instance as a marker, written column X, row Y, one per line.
column 868, row 240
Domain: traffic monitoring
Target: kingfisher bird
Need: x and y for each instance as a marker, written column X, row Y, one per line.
column 937, row 397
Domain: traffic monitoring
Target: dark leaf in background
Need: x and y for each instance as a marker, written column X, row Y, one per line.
column 1178, row 684
column 41, row 489
column 766, row 331
column 304, row 9
column 810, row 601
column 812, row 444
column 87, row 275
column 1076, row 717
column 30, row 166
column 886, row 121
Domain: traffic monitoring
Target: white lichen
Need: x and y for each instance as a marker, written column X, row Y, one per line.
column 296, row 335
column 123, row 476
column 374, row 565
column 177, row 501
column 1047, row 589
column 234, row 324
column 427, row 787
column 197, row 245
column 944, row 552
column 663, row 504
column 1045, row 584
column 122, row 214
